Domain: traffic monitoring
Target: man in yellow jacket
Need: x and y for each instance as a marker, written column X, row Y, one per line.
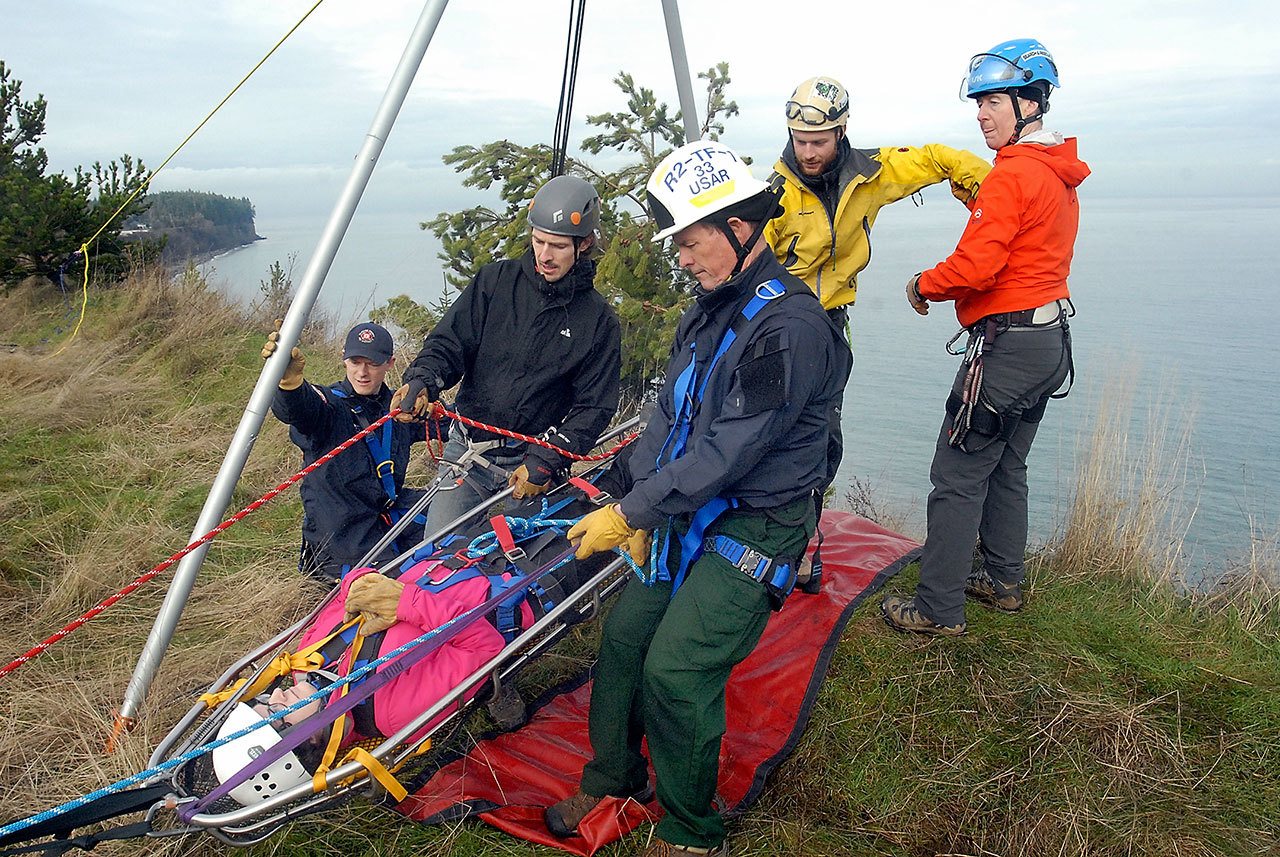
column 831, row 195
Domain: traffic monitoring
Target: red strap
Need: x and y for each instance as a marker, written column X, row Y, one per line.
column 585, row 487
column 594, row 494
column 506, row 541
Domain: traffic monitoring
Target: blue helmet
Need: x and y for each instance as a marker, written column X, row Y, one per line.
column 1011, row 65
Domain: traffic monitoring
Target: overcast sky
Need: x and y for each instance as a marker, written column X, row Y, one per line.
column 1168, row 99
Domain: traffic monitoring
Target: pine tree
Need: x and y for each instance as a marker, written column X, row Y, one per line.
column 45, row 219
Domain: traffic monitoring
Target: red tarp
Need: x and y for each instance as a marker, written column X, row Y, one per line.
column 508, row 780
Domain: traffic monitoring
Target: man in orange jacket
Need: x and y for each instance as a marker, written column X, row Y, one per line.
column 1008, row 278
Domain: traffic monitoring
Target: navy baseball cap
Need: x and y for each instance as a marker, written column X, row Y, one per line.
column 369, row 340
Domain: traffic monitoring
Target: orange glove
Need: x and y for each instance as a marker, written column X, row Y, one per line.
column 292, row 379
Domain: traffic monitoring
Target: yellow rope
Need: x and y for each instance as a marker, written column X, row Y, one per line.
column 84, row 248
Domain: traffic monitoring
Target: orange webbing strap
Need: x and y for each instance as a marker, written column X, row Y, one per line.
column 339, row 728
column 378, row 771
column 307, row 660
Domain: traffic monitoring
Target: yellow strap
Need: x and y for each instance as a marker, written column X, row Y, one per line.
column 305, row 661
column 378, row 771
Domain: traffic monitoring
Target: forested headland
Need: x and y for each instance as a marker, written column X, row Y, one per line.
column 193, row 223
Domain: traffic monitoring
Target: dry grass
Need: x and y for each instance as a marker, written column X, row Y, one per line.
column 1129, row 511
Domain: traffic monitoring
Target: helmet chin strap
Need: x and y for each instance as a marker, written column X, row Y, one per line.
column 744, row 250
column 1021, row 123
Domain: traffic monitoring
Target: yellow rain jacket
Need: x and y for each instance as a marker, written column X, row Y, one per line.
column 828, row 256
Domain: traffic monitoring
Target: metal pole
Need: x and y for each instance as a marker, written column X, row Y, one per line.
column 684, row 84
column 215, row 504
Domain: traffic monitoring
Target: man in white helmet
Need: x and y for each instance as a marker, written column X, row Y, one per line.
column 724, row 477
column 832, row 193
column 537, row 350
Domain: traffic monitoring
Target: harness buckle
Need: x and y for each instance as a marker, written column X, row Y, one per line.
column 390, row 465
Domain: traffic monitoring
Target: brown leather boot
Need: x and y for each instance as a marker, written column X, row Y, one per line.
column 902, row 614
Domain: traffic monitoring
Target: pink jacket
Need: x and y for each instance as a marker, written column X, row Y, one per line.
column 419, row 611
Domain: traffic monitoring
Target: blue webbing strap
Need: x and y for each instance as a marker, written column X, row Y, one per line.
column 685, row 402
column 751, row 562
column 380, row 447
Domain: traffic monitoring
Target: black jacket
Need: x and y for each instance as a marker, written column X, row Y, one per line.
column 343, row 500
column 531, row 355
column 759, row 434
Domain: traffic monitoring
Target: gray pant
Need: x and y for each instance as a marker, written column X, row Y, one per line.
column 479, row 483
column 983, row 492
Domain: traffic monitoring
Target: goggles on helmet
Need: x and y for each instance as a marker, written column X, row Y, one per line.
column 991, row 73
column 811, row 115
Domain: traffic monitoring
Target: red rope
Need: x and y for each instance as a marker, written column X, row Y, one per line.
column 141, row 579
column 102, row 605
column 438, row 410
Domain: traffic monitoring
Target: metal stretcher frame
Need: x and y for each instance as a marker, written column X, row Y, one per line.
column 250, row 824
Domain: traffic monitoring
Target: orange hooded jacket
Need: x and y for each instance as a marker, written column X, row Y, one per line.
column 1016, row 250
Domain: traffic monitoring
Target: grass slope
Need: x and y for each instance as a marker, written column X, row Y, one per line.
column 1112, row 717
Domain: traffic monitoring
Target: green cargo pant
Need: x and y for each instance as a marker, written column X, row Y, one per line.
column 663, row 666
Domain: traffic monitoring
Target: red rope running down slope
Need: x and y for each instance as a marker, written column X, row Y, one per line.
column 141, row 579
column 438, row 411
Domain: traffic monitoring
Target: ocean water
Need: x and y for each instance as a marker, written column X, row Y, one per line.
column 1174, row 297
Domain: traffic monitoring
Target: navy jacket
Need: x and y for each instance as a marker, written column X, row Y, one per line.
column 531, row 355
column 344, row 500
column 759, row 434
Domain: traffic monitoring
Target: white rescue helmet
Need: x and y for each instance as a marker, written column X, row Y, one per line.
column 696, row 181
column 231, row 758
column 818, row 104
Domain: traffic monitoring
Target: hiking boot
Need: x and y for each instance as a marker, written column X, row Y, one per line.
column 902, row 614
column 507, row 709
column 809, row 574
column 984, row 589
column 564, row 817
column 662, row 848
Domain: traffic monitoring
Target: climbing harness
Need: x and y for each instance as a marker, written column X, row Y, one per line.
column 687, row 393
column 970, row 410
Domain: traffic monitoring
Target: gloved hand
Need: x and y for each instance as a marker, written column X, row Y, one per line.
column 963, row 194
column 638, row 547
column 918, row 303
column 522, row 479
column 601, row 530
column 416, row 398
column 375, row 597
column 292, row 379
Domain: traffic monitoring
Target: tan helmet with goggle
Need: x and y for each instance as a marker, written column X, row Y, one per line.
column 818, row 104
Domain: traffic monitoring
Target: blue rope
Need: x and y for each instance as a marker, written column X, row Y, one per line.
column 519, row 526
column 121, row 785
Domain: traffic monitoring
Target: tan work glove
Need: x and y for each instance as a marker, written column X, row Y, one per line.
column 601, row 530
column 963, row 194
column 523, row 486
column 638, row 547
column 917, row 301
column 419, row 397
column 292, row 379
column 375, row 598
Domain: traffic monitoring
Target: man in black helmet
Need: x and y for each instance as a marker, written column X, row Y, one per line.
column 537, row 350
